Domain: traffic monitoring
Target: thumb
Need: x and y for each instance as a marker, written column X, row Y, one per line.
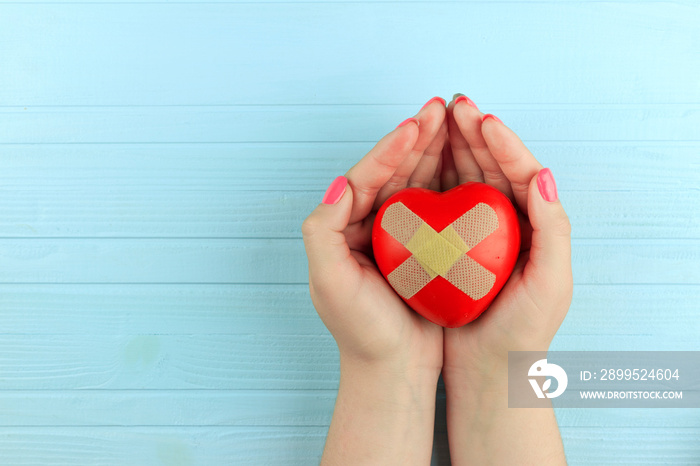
column 550, row 252
column 322, row 230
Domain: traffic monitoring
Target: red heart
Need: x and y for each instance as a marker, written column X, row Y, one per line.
column 447, row 254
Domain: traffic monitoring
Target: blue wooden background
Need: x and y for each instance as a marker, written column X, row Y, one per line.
column 157, row 160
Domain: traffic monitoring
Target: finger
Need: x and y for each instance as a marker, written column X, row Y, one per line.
column 525, row 231
column 465, row 163
column 425, row 171
column 448, row 175
column 516, row 161
column 327, row 251
column 549, row 267
column 359, row 235
column 431, row 117
column 468, row 120
column 435, row 185
column 372, row 172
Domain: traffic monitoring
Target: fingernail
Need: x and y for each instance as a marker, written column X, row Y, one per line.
column 546, row 185
column 408, row 120
column 335, row 191
column 464, row 98
column 433, row 100
column 488, row 115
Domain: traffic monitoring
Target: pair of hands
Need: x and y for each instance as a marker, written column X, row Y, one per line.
column 438, row 149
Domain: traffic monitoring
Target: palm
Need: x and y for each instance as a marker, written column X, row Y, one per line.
column 507, row 325
column 396, row 324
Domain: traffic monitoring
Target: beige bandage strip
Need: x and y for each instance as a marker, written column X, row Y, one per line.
column 442, row 253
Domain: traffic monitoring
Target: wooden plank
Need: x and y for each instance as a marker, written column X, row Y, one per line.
column 299, row 446
column 652, row 312
column 173, row 446
column 143, row 212
column 254, row 362
column 330, row 123
column 639, row 446
column 159, row 309
column 226, row 408
column 661, row 311
column 158, row 54
column 101, row 408
column 628, row 417
column 227, row 261
column 203, row 168
column 220, row 362
column 686, row 2
column 153, row 261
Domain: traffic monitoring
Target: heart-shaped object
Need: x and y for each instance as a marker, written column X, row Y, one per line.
column 447, row 254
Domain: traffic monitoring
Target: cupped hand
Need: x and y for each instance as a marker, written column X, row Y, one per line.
column 369, row 321
column 532, row 305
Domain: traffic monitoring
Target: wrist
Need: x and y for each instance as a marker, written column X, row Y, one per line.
column 484, row 430
column 485, row 372
column 401, row 386
column 384, row 414
column 482, row 388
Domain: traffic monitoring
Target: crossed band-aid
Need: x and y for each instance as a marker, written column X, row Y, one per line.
column 442, row 253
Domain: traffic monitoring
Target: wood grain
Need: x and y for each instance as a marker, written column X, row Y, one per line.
column 301, row 53
column 298, row 445
column 333, row 123
column 291, row 167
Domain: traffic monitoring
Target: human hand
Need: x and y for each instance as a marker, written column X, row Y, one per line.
column 369, row 322
column 390, row 357
column 534, row 301
column 526, row 313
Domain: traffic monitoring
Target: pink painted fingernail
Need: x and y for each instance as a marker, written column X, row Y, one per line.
column 488, row 115
column 335, row 191
column 546, row 185
column 433, row 100
column 408, row 120
column 464, row 98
